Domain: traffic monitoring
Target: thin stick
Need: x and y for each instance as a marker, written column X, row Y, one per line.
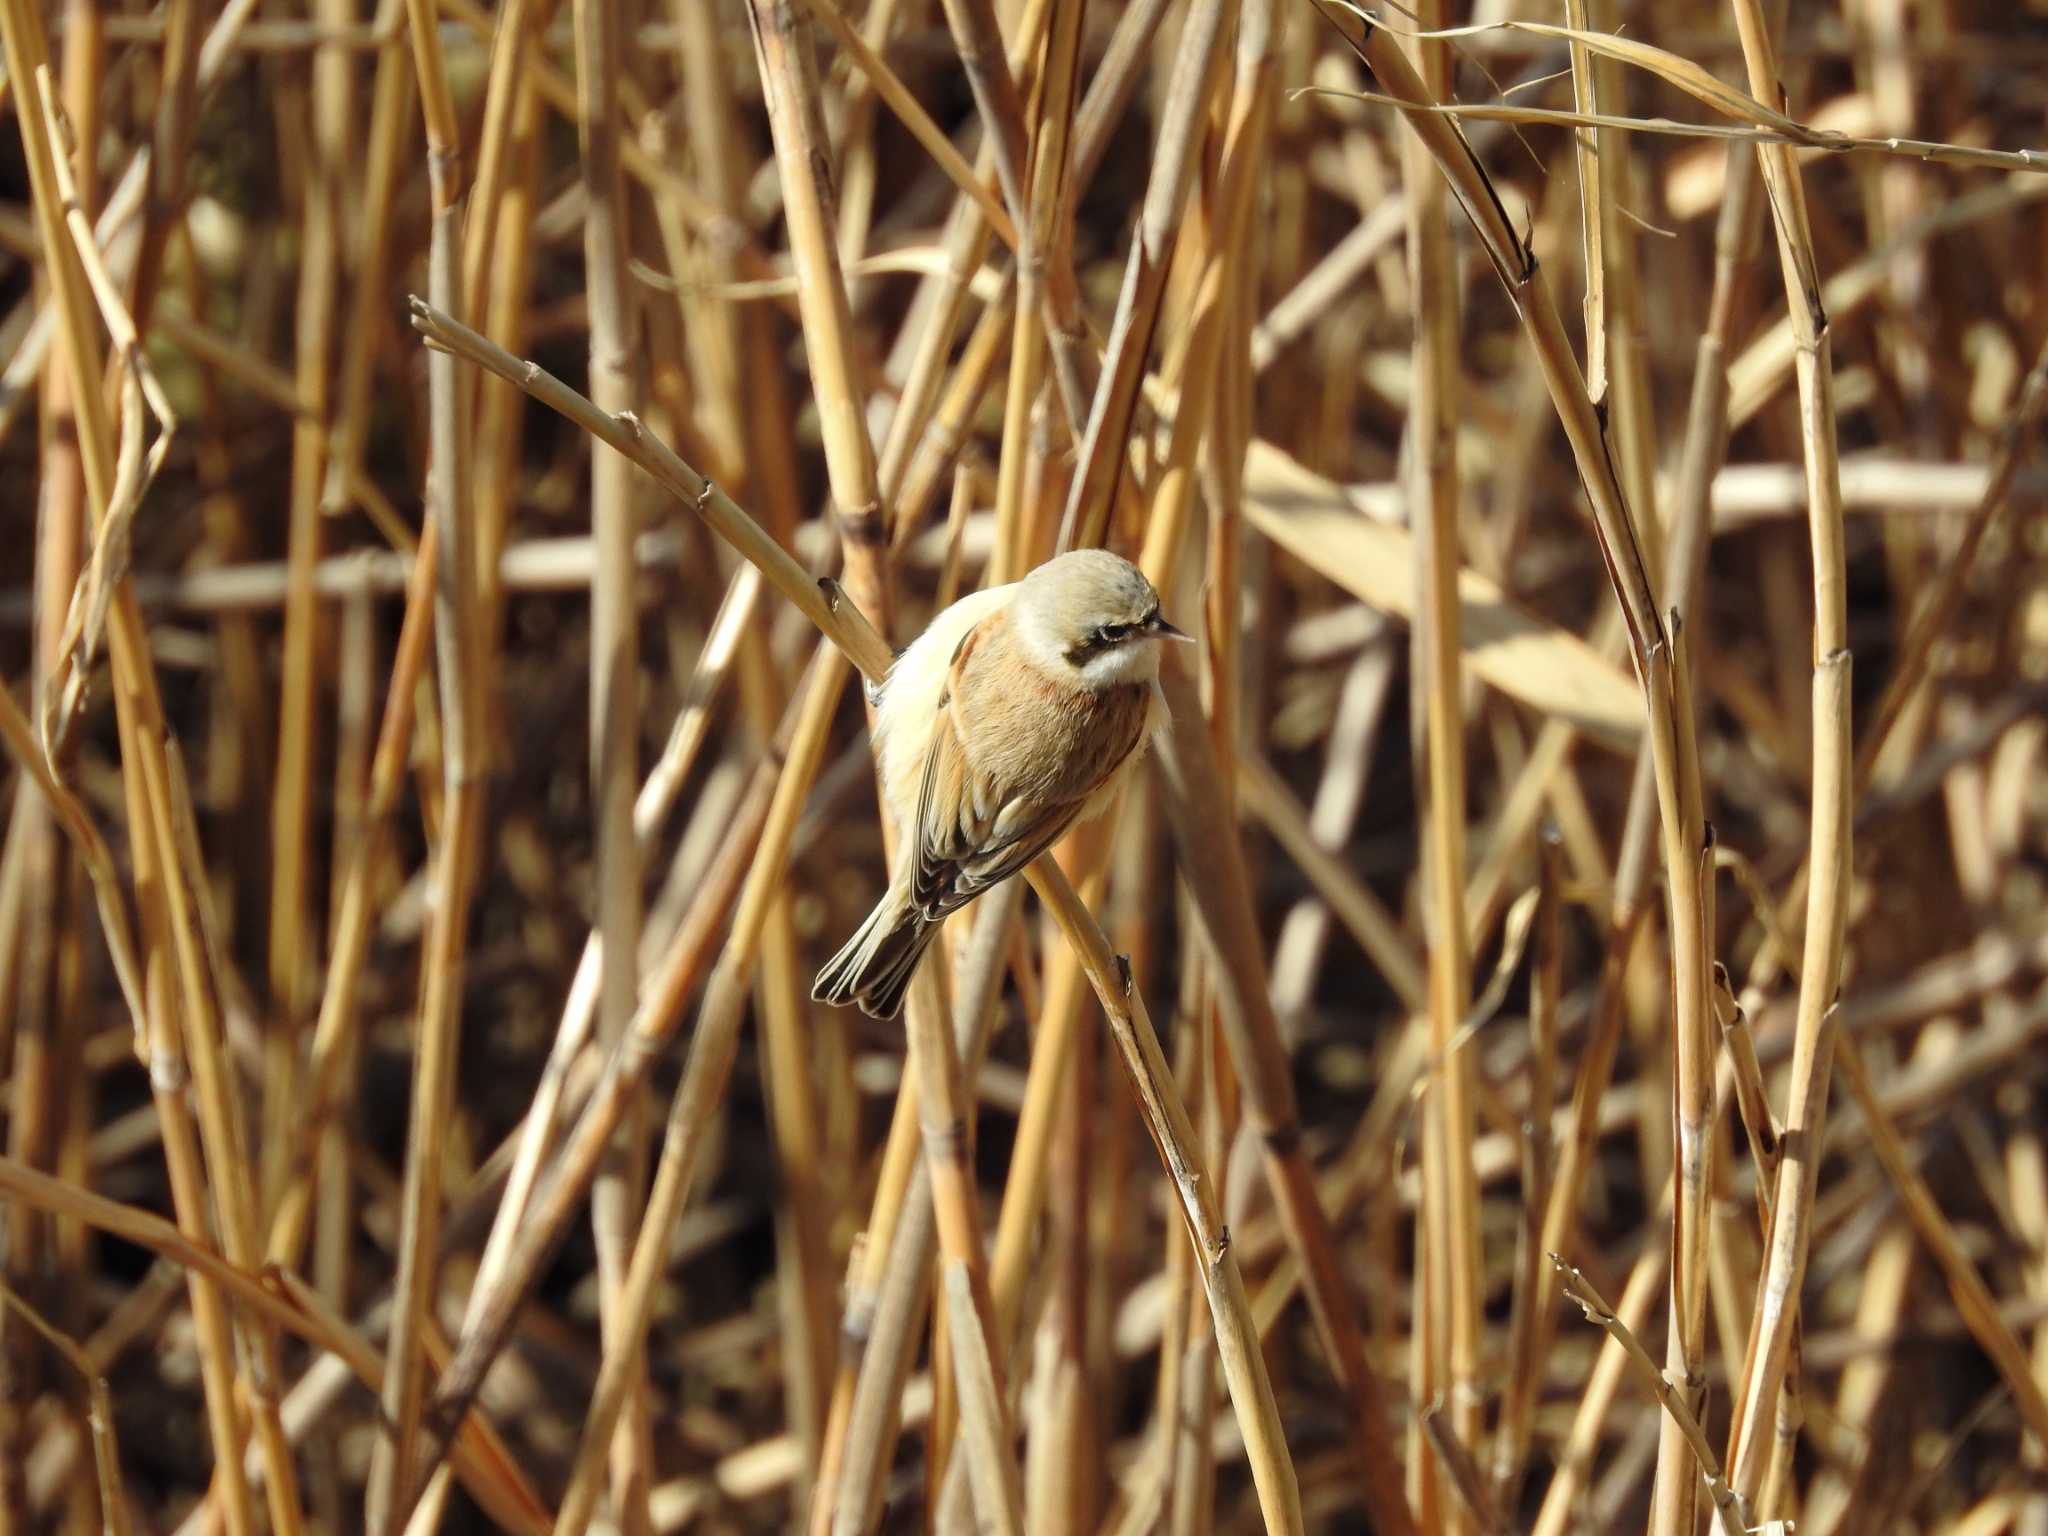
column 1581, row 1290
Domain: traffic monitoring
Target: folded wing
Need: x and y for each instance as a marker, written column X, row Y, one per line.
column 988, row 806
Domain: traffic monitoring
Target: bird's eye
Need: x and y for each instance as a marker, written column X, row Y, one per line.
column 1111, row 633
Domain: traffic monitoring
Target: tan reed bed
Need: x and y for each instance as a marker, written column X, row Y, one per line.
column 433, row 779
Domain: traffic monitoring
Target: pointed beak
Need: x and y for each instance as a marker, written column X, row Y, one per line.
column 1166, row 631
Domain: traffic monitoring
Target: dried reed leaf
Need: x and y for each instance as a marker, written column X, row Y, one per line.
column 1533, row 661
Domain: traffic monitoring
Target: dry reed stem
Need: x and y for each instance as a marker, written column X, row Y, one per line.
column 991, row 1463
column 44, row 1118
column 1166, row 1120
column 140, row 720
column 1672, row 1396
column 1447, row 1241
column 1833, row 792
column 790, row 90
column 351, row 939
column 1526, row 1334
column 1192, row 793
column 1299, row 672
column 486, row 1469
column 396, row 1475
column 614, row 691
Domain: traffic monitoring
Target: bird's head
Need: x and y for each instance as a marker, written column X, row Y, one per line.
column 1095, row 614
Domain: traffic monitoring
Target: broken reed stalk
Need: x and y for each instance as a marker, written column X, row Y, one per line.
column 1674, row 1398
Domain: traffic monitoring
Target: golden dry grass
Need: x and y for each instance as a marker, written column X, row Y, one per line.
column 1596, row 863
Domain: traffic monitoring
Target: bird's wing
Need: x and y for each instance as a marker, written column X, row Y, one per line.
column 979, row 822
column 974, row 827
column 963, row 847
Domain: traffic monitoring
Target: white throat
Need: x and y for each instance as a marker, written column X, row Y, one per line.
column 1134, row 661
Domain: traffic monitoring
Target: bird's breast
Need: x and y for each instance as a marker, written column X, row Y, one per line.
column 1028, row 734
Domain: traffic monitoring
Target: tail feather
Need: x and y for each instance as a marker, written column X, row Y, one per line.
column 875, row 967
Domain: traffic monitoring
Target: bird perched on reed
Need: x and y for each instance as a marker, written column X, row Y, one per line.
column 1014, row 715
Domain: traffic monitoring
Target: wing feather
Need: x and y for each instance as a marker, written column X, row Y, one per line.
column 978, row 823
column 960, row 852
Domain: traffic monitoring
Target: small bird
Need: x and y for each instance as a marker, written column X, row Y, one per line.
column 1014, row 715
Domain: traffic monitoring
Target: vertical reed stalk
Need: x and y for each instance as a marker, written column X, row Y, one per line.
column 1449, row 1233
column 320, row 261
column 614, row 683
column 110, row 494
column 397, row 1468
column 1833, row 790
